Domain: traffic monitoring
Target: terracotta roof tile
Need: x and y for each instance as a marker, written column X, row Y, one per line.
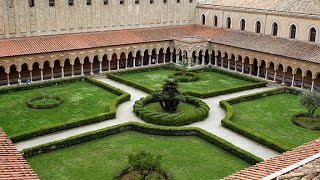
column 278, row 163
column 12, row 164
column 256, row 42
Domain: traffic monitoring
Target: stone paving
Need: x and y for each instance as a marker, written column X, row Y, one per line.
column 125, row 114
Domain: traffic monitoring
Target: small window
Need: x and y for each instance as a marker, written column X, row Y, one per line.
column 51, row 3
column 190, row 1
column 203, row 19
column 258, row 27
column 121, row 1
column 136, row 1
column 105, row 2
column 70, row 2
column 312, row 35
column 228, row 23
column 178, row 1
column 31, row 3
column 215, row 21
column 293, row 30
column 151, row 1
column 164, row 1
column 275, row 29
column 89, row 2
column 242, row 25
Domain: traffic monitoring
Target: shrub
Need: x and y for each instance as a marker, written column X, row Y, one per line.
column 30, row 103
column 306, row 120
column 171, row 119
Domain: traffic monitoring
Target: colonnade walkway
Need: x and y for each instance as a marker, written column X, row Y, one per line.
column 125, row 114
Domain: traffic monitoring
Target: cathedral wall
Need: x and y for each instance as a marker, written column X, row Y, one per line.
column 17, row 19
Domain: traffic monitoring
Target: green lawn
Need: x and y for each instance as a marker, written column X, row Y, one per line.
column 271, row 117
column 208, row 82
column 81, row 100
column 186, row 157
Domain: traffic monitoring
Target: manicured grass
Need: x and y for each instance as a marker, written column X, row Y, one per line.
column 182, row 108
column 81, row 100
column 208, row 82
column 271, row 116
column 186, row 157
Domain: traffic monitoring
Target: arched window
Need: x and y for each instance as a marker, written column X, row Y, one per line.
column 258, row 27
column 293, row 31
column 203, row 19
column 215, row 21
column 275, row 29
column 228, row 23
column 242, row 25
column 312, row 34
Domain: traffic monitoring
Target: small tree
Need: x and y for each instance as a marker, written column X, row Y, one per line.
column 144, row 162
column 184, row 66
column 311, row 100
column 169, row 97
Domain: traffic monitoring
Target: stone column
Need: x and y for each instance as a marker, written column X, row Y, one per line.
column 229, row 64
column 118, row 61
column 177, row 58
column 100, row 67
column 258, row 71
column 30, row 74
column 8, row 79
column 134, row 61
column 82, row 70
column 52, row 74
column 203, row 59
column 171, row 59
column 242, row 71
column 216, row 60
column 157, row 59
column 302, row 82
column 292, row 82
column 221, row 62
column 126, row 63
column 91, row 68
column 72, row 70
column 235, row 66
column 283, row 78
column 210, row 55
column 266, row 74
column 142, row 60
column 62, row 71
column 41, row 74
column 275, row 76
column 312, row 85
column 109, row 65
column 149, row 60
column 164, row 58
column 250, row 69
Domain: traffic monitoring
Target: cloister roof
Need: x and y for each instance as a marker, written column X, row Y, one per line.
column 256, row 42
column 278, row 164
column 12, row 164
column 310, row 7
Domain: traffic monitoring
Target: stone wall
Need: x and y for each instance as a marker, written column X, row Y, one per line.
column 18, row 19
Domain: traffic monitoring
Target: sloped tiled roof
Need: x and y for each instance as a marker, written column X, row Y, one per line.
column 291, row 6
column 272, row 45
column 12, row 165
column 278, row 163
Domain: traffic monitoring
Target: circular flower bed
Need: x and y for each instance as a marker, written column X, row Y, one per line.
column 127, row 173
column 44, row 102
column 306, row 121
column 189, row 76
column 199, row 112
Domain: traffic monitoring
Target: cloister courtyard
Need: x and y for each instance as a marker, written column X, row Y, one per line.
column 92, row 132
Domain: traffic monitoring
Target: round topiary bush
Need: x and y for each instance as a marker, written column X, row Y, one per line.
column 306, row 120
column 189, row 76
column 154, row 115
column 44, row 102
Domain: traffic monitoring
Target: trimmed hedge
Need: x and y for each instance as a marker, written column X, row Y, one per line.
column 171, row 119
column 228, row 123
column 145, row 128
column 255, row 82
column 127, row 169
column 301, row 119
column 30, row 103
column 122, row 97
column 190, row 76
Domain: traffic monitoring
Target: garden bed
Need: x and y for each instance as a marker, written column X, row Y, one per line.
column 266, row 118
column 188, row 153
column 85, row 101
